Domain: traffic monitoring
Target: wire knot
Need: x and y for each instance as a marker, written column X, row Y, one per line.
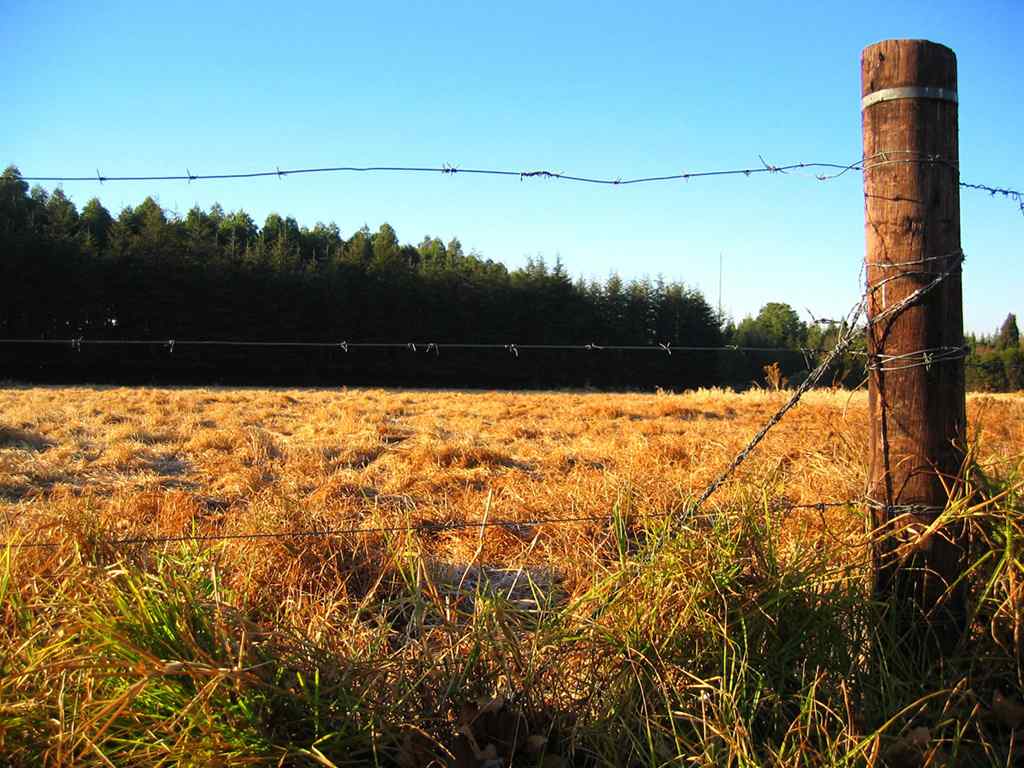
column 343, row 346
column 411, row 346
column 432, row 347
column 593, row 347
column 540, row 174
column 76, row 343
column 667, row 346
column 170, row 346
column 768, row 166
column 514, row 349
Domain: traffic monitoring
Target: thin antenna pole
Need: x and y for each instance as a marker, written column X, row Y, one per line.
column 719, row 286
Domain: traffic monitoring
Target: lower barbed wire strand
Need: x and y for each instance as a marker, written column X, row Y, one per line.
column 921, row 358
column 433, row 346
column 425, row 527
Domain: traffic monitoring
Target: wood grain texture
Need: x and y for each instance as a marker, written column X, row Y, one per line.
column 912, row 219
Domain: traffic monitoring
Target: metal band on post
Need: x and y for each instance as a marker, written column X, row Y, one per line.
column 908, row 92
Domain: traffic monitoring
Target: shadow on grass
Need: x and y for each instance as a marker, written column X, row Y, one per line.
column 11, row 437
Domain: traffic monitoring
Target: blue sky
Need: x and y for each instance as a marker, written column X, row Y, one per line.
column 590, row 88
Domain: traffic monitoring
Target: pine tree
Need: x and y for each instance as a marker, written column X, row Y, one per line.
column 1009, row 335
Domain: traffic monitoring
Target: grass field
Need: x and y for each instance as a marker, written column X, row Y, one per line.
column 744, row 637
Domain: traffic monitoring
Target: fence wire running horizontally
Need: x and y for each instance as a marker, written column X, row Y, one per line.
column 664, row 348
column 432, row 527
column 822, row 171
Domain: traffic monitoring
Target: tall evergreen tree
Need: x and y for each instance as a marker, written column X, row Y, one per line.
column 1009, row 335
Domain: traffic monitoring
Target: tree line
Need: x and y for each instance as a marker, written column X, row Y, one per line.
column 995, row 362
column 218, row 275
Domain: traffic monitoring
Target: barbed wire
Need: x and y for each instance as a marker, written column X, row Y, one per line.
column 846, row 338
column 924, row 357
column 877, row 361
column 836, row 170
column 1012, row 194
column 451, row 170
column 413, row 346
column 432, row 527
column 927, row 356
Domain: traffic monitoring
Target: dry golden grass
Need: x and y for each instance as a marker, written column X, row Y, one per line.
column 82, row 464
column 140, row 461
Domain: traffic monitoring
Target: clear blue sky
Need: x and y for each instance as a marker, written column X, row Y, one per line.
column 589, row 88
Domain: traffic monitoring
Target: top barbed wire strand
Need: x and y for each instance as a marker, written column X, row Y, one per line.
column 838, row 169
column 451, row 170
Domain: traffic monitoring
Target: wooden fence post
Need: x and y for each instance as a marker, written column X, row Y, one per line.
column 916, row 374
